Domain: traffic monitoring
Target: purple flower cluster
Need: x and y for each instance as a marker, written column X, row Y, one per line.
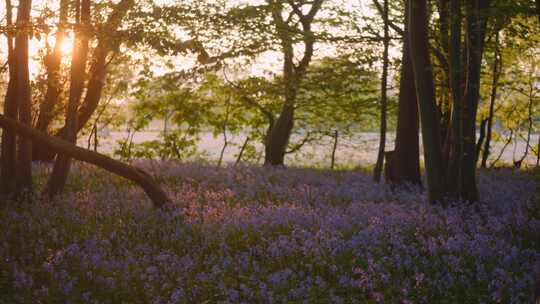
column 262, row 235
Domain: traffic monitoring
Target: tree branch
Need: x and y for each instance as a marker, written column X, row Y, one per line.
column 396, row 28
column 143, row 179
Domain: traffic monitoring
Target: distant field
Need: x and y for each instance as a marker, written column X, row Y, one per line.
column 361, row 150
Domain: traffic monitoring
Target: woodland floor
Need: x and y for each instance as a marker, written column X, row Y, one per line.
column 259, row 235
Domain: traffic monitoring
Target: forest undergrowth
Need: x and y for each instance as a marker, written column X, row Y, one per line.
column 248, row 234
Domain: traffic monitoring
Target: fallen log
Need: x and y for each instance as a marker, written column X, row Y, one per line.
column 158, row 197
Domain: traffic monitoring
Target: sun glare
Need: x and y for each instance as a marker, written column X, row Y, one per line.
column 66, row 47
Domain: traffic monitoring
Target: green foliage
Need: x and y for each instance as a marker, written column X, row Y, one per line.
column 518, row 81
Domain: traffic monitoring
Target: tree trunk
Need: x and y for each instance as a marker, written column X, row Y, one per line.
column 224, row 132
column 94, row 90
column 454, row 140
column 89, row 140
column 530, row 126
column 538, row 152
column 497, row 69
column 406, row 158
column 279, row 134
column 444, row 106
column 480, row 142
column 537, row 284
column 476, row 30
column 98, row 75
column 334, row 149
column 384, row 86
column 515, row 146
column 444, row 24
column 23, row 95
column 510, row 137
column 425, row 91
column 62, row 164
column 9, row 139
column 538, row 9
column 242, row 149
column 96, row 141
column 278, row 138
column 138, row 176
column 225, row 144
column 389, row 168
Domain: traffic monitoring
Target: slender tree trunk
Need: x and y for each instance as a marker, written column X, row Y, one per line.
column 96, row 140
column 454, row 142
column 138, row 176
column 24, row 95
column 497, row 69
column 536, row 298
column 445, row 109
column 224, row 130
column 9, row 139
column 98, row 74
column 476, row 30
column 510, row 137
column 538, row 152
column 334, row 149
column 406, row 158
column 62, row 164
column 384, row 87
column 225, row 144
column 425, row 91
column 530, row 126
column 444, row 24
column 242, row 149
column 481, row 139
column 89, row 140
column 130, row 145
column 515, row 145
column 165, row 154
